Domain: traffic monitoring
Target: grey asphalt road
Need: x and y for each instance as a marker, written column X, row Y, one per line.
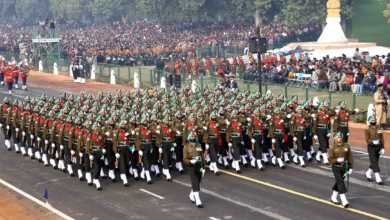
column 293, row 193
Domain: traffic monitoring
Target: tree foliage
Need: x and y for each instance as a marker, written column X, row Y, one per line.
column 386, row 12
column 295, row 12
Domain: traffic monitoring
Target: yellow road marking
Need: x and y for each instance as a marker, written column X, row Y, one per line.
column 302, row 195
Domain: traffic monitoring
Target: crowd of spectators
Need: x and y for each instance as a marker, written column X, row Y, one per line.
column 359, row 74
column 145, row 37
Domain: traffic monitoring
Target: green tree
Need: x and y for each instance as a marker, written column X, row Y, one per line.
column 386, row 12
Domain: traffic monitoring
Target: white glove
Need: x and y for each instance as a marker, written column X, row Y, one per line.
column 249, row 119
column 81, row 154
column 107, row 133
column 216, row 125
column 356, row 110
column 160, row 150
column 132, row 132
column 38, row 139
column 315, row 137
column 23, row 133
column 61, row 147
column 203, row 171
column 172, row 149
column 178, row 133
column 193, row 161
column 253, row 141
column 350, row 172
column 382, row 151
column 90, row 157
column 340, row 159
column 157, row 131
column 295, row 139
column 376, row 142
column 32, row 136
column 158, row 127
column 140, row 153
column 230, row 144
column 8, row 127
column 328, row 135
column 46, row 142
column 53, row 145
column 337, row 110
column 281, row 121
column 313, row 115
column 1, row 125
column 127, row 134
column 268, row 117
column 207, row 146
column 348, row 134
column 273, row 141
column 242, row 142
column 205, row 128
column 17, row 129
column 174, row 144
column 72, row 152
column 104, row 151
column 117, row 155
column 289, row 116
column 227, row 122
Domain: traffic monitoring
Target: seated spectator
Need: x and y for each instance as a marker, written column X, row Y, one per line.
column 358, row 87
column 322, row 80
column 348, row 82
column 369, row 85
column 342, row 80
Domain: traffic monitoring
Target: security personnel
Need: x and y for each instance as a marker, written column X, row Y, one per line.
column 340, row 156
column 341, row 119
column 121, row 149
column 193, row 158
column 381, row 103
column 375, row 148
column 321, row 132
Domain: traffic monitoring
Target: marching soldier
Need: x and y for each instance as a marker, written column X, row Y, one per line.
column 167, row 144
column 95, row 150
column 5, row 109
column 26, row 127
column 234, row 138
column 133, row 134
column 340, row 156
column 255, row 133
column 76, row 139
column 121, row 146
column 35, row 134
column 144, row 145
column 56, row 144
column 321, row 132
column 12, row 125
column 213, row 140
column 65, row 140
column 40, row 130
column 279, row 136
column 49, row 125
column 298, row 132
column 375, row 148
column 193, row 158
column 108, row 131
column 341, row 119
column 178, row 127
column 381, row 104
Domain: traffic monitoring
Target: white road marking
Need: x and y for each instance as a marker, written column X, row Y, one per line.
column 324, row 167
column 212, row 218
column 39, row 202
column 362, row 152
column 150, row 193
column 265, row 212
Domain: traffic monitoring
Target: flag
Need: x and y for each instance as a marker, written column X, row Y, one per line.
column 46, row 195
column 123, row 19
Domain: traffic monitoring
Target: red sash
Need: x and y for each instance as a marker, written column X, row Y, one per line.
column 344, row 116
column 323, row 116
column 300, row 120
column 217, row 132
column 59, row 124
column 50, row 122
column 36, row 117
column 77, row 130
column 277, row 121
column 96, row 138
column 192, row 128
column 256, row 121
column 145, row 132
column 85, row 133
column 42, row 120
column 235, row 125
column 123, row 134
column 5, row 107
column 166, row 130
column 20, row 112
column 68, row 127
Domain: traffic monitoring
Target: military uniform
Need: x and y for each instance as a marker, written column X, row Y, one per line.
column 298, row 132
column 108, row 135
column 167, row 143
column 279, row 136
column 5, row 108
column 76, row 139
column 381, row 101
column 121, row 149
column 235, row 139
column 65, row 140
column 193, row 158
column 255, row 133
column 375, row 147
column 321, row 132
column 340, row 156
column 143, row 144
column 341, row 121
